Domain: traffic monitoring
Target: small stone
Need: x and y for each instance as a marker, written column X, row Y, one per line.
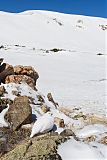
column 103, row 140
column 90, row 139
column 16, row 93
column 1, row 59
column 2, row 90
column 45, row 108
column 59, row 122
column 40, row 98
column 67, row 133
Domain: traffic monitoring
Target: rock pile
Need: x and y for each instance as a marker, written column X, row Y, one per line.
column 18, row 74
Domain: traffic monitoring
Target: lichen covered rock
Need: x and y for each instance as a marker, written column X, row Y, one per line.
column 19, row 112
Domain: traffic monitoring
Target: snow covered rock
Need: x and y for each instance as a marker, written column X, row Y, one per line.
column 19, row 79
column 19, row 112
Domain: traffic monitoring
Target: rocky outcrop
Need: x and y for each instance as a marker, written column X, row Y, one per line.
column 19, row 112
column 26, row 70
column 19, row 79
column 40, row 148
column 17, row 74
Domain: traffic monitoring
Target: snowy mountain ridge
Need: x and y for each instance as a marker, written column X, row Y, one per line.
column 47, row 29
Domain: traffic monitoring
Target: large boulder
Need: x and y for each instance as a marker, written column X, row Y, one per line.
column 26, row 70
column 19, row 79
column 5, row 70
column 36, row 149
column 19, row 112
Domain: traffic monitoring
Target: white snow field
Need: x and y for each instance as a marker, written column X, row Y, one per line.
column 73, row 150
column 75, row 75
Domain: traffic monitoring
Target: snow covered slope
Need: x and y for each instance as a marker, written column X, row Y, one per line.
column 76, row 75
column 46, row 29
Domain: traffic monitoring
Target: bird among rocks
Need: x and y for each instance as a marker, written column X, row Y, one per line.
column 43, row 124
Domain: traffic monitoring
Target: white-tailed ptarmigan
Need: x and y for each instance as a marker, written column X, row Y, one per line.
column 43, row 124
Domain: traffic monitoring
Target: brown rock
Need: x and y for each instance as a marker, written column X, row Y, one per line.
column 2, row 90
column 96, row 119
column 16, row 93
column 59, row 122
column 90, row 139
column 103, row 140
column 5, row 101
column 36, row 149
column 26, row 70
column 5, row 70
column 19, row 112
column 50, row 98
column 45, row 108
column 67, row 133
column 19, row 79
column 40, row 98
column 3, row 146
column 66, row 111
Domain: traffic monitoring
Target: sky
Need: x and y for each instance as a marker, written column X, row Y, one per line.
column 96, row 8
